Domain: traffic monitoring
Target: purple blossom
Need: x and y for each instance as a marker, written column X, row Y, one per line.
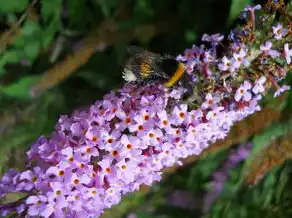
column 287, row 53
column 279, row 32
column 259, row 85
column 266, row 49
column 243, row 92
column 88, row 163
column 215, row 38
column 250, row 8
column 281, row 90
column 225, row 65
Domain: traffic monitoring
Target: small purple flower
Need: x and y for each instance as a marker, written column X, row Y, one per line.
column 225, row 65
column 279, row 32
column 281, row 90
column 250, row 8
column 266, row 46
column 214, row 113
column 215, row 38
column 266, row 49
column 259, row 85
column 210, row 101
column 287, row 53
column 239, row 58
column 37, row 205
column 243, row 92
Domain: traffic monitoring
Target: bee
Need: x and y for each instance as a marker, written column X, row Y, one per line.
column 145, row 66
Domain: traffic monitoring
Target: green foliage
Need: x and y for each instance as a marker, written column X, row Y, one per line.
column 13, row 6
column 236, row 7
column 21, row 88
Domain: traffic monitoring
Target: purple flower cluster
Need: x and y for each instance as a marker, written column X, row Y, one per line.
column 94, row 157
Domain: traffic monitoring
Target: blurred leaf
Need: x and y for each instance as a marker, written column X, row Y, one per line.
column 31, row 31
column 49, row 32
column 21, row 88
column 29, row 28
column 80, row 15
column 10, row 57
column 106, row 7
column 32, row 49
column 50, row 12
column 261, row 140
column 236, row 7
column 50, row 8
column 190, row 35
column 270, row 181
column 13, row 5
column 95, row 79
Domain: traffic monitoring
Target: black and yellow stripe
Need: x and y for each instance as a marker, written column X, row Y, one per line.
column 176, row 75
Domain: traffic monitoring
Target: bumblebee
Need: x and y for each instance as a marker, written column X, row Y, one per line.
column 144, row 67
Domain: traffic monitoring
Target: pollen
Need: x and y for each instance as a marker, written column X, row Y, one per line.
column 110, row 140
column 108, row 170
column 165, row 122
column 76, row 181
column 34, row 179
column 151, row 135
column 115, row 153
column 88, row 150
column 61, row 173
column 124, row 167
column 146, row 117
column 140, row 127
column 182, row 114
column 94, row 138
column 128, row 120
column 129, row 146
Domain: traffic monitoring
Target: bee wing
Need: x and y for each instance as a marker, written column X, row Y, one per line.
column 141, row 53
column 133, row 50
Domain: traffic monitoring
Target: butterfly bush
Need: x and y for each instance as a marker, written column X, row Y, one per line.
column 96, row 156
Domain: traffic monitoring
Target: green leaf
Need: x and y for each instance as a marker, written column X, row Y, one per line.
column 49, row 32
column 32, row 49
column 50, row 8
column 21, row 88
column 11, row 57
column 30, row 28
column 30, row 31
column 236, row 7
column 190, row 35
column 260, row 141
column 13, row 5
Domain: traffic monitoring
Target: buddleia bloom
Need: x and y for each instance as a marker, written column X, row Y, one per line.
column 96, row 156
